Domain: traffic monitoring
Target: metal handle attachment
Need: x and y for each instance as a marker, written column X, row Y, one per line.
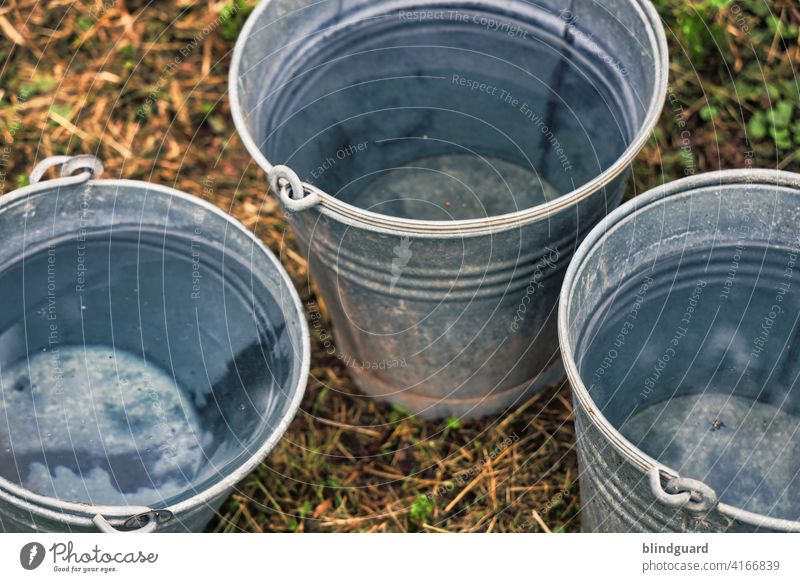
column 681, row 492
column 141, row 523
column 85, row 166
column 287, row 185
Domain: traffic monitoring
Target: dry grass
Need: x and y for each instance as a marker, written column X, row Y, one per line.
column 94, row 77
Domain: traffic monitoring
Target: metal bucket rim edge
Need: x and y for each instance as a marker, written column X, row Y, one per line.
column 45, row 505
column 392, row 225
column 755, row 176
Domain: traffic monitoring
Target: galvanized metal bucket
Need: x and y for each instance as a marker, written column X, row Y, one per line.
column 679, row 330
column 438, row 163
column 152, row 352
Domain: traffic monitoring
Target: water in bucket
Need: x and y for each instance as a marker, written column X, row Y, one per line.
column 134, row 367
column 694, row 359
column 455, row 115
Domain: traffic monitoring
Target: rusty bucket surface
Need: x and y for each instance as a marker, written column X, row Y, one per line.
column 680, row 329
column 438, row 162
column 152, row 352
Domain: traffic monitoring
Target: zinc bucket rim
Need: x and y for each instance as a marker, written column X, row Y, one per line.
column 332, row 207
column 596, row 238
column 83, row 514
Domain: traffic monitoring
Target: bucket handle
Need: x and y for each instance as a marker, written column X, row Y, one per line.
column 682, row 492
column 88, row 166
column 146, row 522
column 289, row 188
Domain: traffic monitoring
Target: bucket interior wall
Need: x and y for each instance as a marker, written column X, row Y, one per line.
column 144, row 352
column 686, row 327
column 443, row 111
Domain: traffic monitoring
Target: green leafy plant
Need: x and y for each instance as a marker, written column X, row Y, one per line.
column 38, row 85
column 421, row 509
column 399, row 413
column 304, row 510
column 453, row 423
column 696, row 24
column 778, row 124
column 233, row 18
column 85, row 22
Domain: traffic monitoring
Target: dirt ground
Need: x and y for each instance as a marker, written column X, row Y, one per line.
column 97, row 77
